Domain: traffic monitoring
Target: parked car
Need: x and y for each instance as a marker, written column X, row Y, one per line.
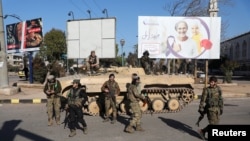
column 21, row 74
column 201, row 74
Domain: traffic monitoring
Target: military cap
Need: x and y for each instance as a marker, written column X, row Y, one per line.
column 76, row 81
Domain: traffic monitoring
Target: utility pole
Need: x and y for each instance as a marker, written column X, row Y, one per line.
column 213, row 12
column 4, row 81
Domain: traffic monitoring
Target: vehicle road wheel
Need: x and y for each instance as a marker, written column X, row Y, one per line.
column 93, row 108
column 187, row 97
column 173, row 104
column 158, row 105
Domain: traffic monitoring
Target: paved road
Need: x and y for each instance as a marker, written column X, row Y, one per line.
column 26, row 122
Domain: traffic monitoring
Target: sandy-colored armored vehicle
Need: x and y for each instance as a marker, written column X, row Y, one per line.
column 167, row 93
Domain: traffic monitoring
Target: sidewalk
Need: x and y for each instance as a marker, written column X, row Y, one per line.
column 33, row 93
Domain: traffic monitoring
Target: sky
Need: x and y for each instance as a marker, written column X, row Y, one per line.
column 54, row 14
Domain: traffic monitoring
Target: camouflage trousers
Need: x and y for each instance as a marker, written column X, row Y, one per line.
column 109, row 103
column 53, row 104
column 147, row 68
column 137, row 114
column 213, row 115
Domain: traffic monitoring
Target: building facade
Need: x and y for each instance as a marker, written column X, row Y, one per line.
column 15, row 59
column 238, row 49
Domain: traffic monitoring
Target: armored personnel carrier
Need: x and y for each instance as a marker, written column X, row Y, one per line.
column 166, row 93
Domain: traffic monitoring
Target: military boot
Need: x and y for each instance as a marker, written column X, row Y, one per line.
column 139, row 128
column 114, row 120
column 106, row 120
column 85, row 130
column 58, row 121
column 129, row 129
column 72, row 132
column 202, row 134
column 50, row 122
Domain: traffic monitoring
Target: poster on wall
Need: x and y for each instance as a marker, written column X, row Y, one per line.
column 24, row 36
column 179, row 37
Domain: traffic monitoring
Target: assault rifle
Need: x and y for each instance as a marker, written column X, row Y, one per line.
column 149, row 102
column 111, row 94
column 202, row 114
column 64, row 102
column 66, row 119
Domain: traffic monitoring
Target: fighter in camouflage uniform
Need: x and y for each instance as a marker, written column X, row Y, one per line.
column 92, row 63
column 111, row 89
column 211, row 103
column 76, row 99
column 53, row 91
column 134, row 97
column 146, row 63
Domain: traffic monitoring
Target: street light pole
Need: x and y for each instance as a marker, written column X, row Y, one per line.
column 213, row 12
column 14, row 16
column 105, row 11
column 89, row 13
column 122, row 42
column 71, row 14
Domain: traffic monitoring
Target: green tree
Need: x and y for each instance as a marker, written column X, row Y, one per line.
column 54, row 45
column 227, row 68
column 39, row 69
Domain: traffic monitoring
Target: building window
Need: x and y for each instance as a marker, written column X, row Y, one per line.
column 231, row 52
column 237, row 52
column 244, row 50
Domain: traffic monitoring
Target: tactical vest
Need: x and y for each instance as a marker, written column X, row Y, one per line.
column 92, row 60
column 214, row 97
column 112, row 87
column 74, row 98
column 52, row 86
column 130, row 95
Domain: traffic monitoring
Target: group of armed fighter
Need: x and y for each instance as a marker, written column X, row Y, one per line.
column 77, row 97
column 211, row 102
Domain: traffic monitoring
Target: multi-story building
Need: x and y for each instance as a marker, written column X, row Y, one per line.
column 15, row 59
column 238, row 49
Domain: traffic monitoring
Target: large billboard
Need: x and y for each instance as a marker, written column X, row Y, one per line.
column 179, row 37
column 24, row 36
column 86, row 35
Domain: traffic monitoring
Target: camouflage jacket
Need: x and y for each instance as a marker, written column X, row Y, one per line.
column 133, row 94
column 56, row 87
column 112, row 86
column 211, row 97
column 145, row 59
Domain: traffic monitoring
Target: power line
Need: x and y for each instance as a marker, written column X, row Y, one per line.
column 97, row 5
column 89, row 8
column 79, row 8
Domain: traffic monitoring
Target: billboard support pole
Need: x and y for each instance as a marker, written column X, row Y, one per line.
column 4, row 81
column 31, row 67
column 213, row 12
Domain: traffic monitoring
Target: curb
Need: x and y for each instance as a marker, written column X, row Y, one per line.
column 40, row 100
column 23, row 101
